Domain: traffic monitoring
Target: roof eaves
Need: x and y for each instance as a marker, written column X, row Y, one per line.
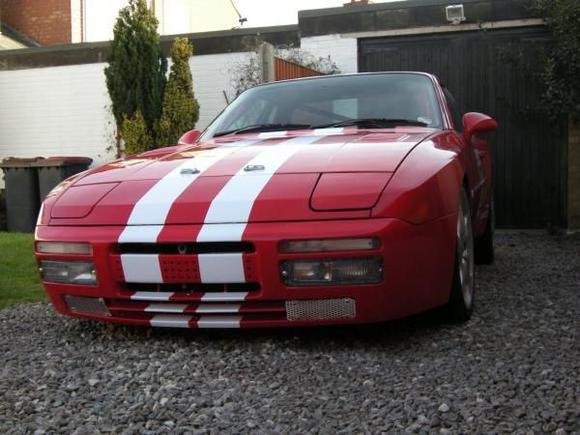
column 17, row 36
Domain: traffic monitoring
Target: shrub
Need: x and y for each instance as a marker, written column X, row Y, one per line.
column 561, row 66
column 180, row 110
column 136, row 134
column 135, row 75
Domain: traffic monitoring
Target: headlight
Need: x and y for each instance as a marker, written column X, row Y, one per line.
column 63, row 248
column 330, row 245
column 69, row 272
column 343, row 271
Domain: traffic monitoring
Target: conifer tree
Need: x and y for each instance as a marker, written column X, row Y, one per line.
column 136, row 73
column 135, row 134
column 180, row 109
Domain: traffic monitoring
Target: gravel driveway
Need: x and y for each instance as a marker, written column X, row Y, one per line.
column 514, row 367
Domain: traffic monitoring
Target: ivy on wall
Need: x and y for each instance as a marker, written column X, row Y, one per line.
column 560, row 74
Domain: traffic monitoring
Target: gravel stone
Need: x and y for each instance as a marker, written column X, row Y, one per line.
column 512, row 369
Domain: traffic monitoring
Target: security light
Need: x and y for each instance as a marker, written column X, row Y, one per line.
column 455, row 14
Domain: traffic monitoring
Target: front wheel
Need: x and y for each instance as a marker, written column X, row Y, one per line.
column 461, row 299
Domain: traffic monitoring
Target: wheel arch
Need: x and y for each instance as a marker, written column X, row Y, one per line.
column 426, row 185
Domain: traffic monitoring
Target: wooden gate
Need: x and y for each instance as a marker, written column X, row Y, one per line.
column 488, row 72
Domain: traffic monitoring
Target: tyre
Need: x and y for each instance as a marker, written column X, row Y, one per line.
column 461, row 298
column 484, row 251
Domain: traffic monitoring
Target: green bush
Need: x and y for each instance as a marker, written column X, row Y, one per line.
column 136, row 134
column 561, row 66
column 135, row 75
column 180, row 110
column 2, row 210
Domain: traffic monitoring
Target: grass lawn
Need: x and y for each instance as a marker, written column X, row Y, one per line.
column 18, row 277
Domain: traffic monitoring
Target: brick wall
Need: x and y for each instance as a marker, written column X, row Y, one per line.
column 574, row 175
column 48, row 22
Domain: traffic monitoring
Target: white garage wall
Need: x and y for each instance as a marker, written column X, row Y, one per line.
column 343, row 51
column 55, row 111
column 64, row 111
column 212, row 75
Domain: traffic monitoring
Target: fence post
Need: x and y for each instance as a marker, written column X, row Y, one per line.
column 573, row 174
column 267, row 62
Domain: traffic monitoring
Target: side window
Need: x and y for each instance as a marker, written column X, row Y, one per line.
column 455, row 111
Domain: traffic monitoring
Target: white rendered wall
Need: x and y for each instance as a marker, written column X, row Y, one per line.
column 212, row 75
column 64, row 111
column 55, row 111
column 342, row 51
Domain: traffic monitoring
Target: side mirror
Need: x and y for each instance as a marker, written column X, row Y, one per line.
column 474, row 122
column 189, row 138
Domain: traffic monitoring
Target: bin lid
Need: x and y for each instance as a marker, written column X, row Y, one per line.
column 19, row 162
column 62, row 161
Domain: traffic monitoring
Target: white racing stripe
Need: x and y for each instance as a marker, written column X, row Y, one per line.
column 150, row 212
column 166, row 308
column 221, row 268
column 229, row 211
column 328, row 131
column 153, row 207
column 220, row 232
column 219, row 322
column 234, row 202
column 141, row 268
column 218, row 308
column 171, row 320
column 152, row 296
column 272, row 134
column 224, row 297
column 140, row 234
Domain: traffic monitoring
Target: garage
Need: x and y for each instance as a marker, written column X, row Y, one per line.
column 492, row 72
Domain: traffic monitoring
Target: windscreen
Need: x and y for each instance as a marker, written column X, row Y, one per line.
column 333, row 99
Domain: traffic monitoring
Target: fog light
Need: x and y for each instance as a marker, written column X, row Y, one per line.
column 82, row 305
column 341, row 271
column 63, row 248
column 68, row 272
column 329, row 245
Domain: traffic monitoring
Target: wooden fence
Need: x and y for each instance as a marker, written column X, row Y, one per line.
column 285, row 70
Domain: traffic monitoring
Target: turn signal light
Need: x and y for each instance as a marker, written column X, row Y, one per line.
column 63, row 248
column 326, row 245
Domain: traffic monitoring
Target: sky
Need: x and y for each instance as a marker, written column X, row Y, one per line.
column 277, row 12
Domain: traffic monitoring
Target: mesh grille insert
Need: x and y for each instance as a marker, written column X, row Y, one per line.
column 321, row 309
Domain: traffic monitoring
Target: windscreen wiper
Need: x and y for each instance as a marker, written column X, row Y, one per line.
column 262, row 127
column 374, row 123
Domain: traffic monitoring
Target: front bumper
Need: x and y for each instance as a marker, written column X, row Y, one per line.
column 417, row 262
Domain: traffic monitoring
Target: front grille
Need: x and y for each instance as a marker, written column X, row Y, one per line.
column 209, row 310
column 195, row 288
column 185, row 248
column 321, row 309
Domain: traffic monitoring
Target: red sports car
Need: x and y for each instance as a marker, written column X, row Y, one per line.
column 327, row 200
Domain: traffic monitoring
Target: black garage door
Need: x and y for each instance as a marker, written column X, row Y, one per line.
column 489, row 72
